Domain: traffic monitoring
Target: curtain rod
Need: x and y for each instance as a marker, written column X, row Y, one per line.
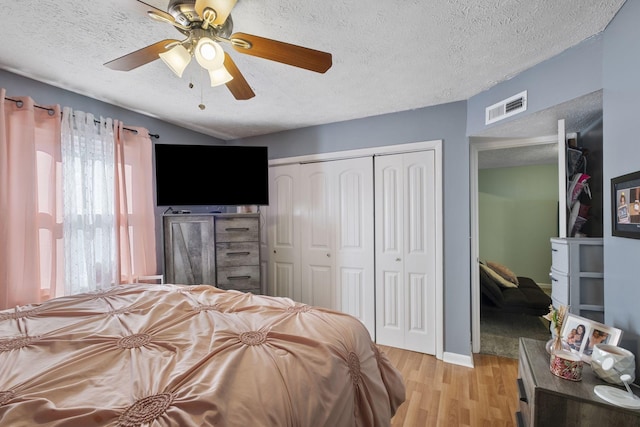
column 51, row 112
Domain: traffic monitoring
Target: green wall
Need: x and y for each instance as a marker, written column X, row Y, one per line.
column 518, row 214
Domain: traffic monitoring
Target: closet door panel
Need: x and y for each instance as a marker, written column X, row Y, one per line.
column 405, row 259
column 390, row 299
column 354, row 231
column 353, row 292
column 283, row 233
column 419, row 253
column 390, row 304
column 317, row 261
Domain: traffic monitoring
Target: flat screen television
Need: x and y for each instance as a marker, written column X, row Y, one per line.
column 211, row 175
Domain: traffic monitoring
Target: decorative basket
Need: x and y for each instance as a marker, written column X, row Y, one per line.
column 566, row 365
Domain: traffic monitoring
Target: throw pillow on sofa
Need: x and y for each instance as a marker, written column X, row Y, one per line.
column 503, row 271
column 497, row 278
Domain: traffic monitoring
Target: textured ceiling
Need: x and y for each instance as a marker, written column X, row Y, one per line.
column 387, row 56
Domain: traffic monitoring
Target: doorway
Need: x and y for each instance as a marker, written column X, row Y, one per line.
column 506, row 158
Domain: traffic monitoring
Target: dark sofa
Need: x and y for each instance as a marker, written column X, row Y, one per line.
column 527, row 298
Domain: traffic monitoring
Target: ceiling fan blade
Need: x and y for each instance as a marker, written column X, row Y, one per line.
column 222, row 9
column 290, row 54
column 158, row 12
column 238, row 86
column 141, row 56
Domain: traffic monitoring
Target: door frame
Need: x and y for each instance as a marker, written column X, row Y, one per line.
column 475, row 147
column 436, row 146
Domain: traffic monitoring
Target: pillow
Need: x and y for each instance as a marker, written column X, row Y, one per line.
column 503, row 271
column 490, row 289
column 497, row 278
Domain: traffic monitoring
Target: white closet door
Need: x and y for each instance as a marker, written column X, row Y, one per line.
column 354, row 261
column 317, row 236
column 406, row 251
column 284, row 232
column 337, row 237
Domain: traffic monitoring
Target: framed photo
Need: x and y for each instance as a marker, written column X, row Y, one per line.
column 625, row 204
column 581, row 334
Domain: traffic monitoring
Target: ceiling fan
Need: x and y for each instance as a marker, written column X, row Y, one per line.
column 206, row 24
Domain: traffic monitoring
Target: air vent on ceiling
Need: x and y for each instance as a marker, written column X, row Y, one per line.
column 506, row 108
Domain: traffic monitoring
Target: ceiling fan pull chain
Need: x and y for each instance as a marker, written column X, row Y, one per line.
column 202, row 106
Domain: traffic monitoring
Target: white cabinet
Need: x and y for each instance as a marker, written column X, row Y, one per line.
column 577, row 276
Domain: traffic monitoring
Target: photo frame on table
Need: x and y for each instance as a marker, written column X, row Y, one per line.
column 593, row 333
column 625, row 205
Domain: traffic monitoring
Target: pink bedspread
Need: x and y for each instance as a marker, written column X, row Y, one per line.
column 166, row 355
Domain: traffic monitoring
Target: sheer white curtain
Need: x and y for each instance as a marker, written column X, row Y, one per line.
column 88, row 181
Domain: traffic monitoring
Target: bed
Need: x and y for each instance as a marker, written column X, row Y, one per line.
column 169, row 355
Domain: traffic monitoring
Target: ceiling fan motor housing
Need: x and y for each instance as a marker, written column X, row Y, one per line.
column 184, row 12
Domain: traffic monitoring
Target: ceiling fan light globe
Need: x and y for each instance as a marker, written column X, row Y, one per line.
column 207, row 51
column 222, row 9
column 209, row 54
column 220, row 76
column 177, row 59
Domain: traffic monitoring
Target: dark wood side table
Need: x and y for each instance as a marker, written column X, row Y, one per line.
column 547, row 400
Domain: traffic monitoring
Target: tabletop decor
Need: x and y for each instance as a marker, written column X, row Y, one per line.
column 556, row 319
column 566, row 365
column 582, row 334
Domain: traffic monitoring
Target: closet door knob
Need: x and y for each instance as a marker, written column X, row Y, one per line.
column 398, row 259
column 328, row 255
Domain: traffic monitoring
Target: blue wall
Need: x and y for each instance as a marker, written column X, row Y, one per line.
column 445, row 122
column 621, row 91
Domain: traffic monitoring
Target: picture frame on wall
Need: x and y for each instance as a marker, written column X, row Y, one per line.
column 581, row 334
column 625, row 205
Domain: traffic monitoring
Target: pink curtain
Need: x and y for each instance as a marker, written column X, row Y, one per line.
column 135, row 216
column 30, row 221
column 31, row 229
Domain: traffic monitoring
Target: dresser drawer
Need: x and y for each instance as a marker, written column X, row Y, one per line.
column 560, row 257
column 240, row 278
column 526, row 390
column 237, row 229
column 559, row 287
column 237, row 254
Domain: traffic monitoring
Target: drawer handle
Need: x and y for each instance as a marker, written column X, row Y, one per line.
column 553, row 279
column 521, row 391
column 237, row 229
column 238, row 253
column 238, row 277
column 554, row 250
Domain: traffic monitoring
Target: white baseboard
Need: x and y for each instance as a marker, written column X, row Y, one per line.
column 458, row 359
column 545, row 286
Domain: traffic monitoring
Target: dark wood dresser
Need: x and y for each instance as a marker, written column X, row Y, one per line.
column 547, row 400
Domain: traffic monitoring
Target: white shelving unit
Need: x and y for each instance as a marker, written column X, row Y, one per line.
column 577, row 276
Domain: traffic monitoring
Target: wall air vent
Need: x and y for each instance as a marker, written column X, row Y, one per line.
column 506, row 108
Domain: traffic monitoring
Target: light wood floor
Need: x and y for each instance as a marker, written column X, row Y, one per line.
column 443, row 394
